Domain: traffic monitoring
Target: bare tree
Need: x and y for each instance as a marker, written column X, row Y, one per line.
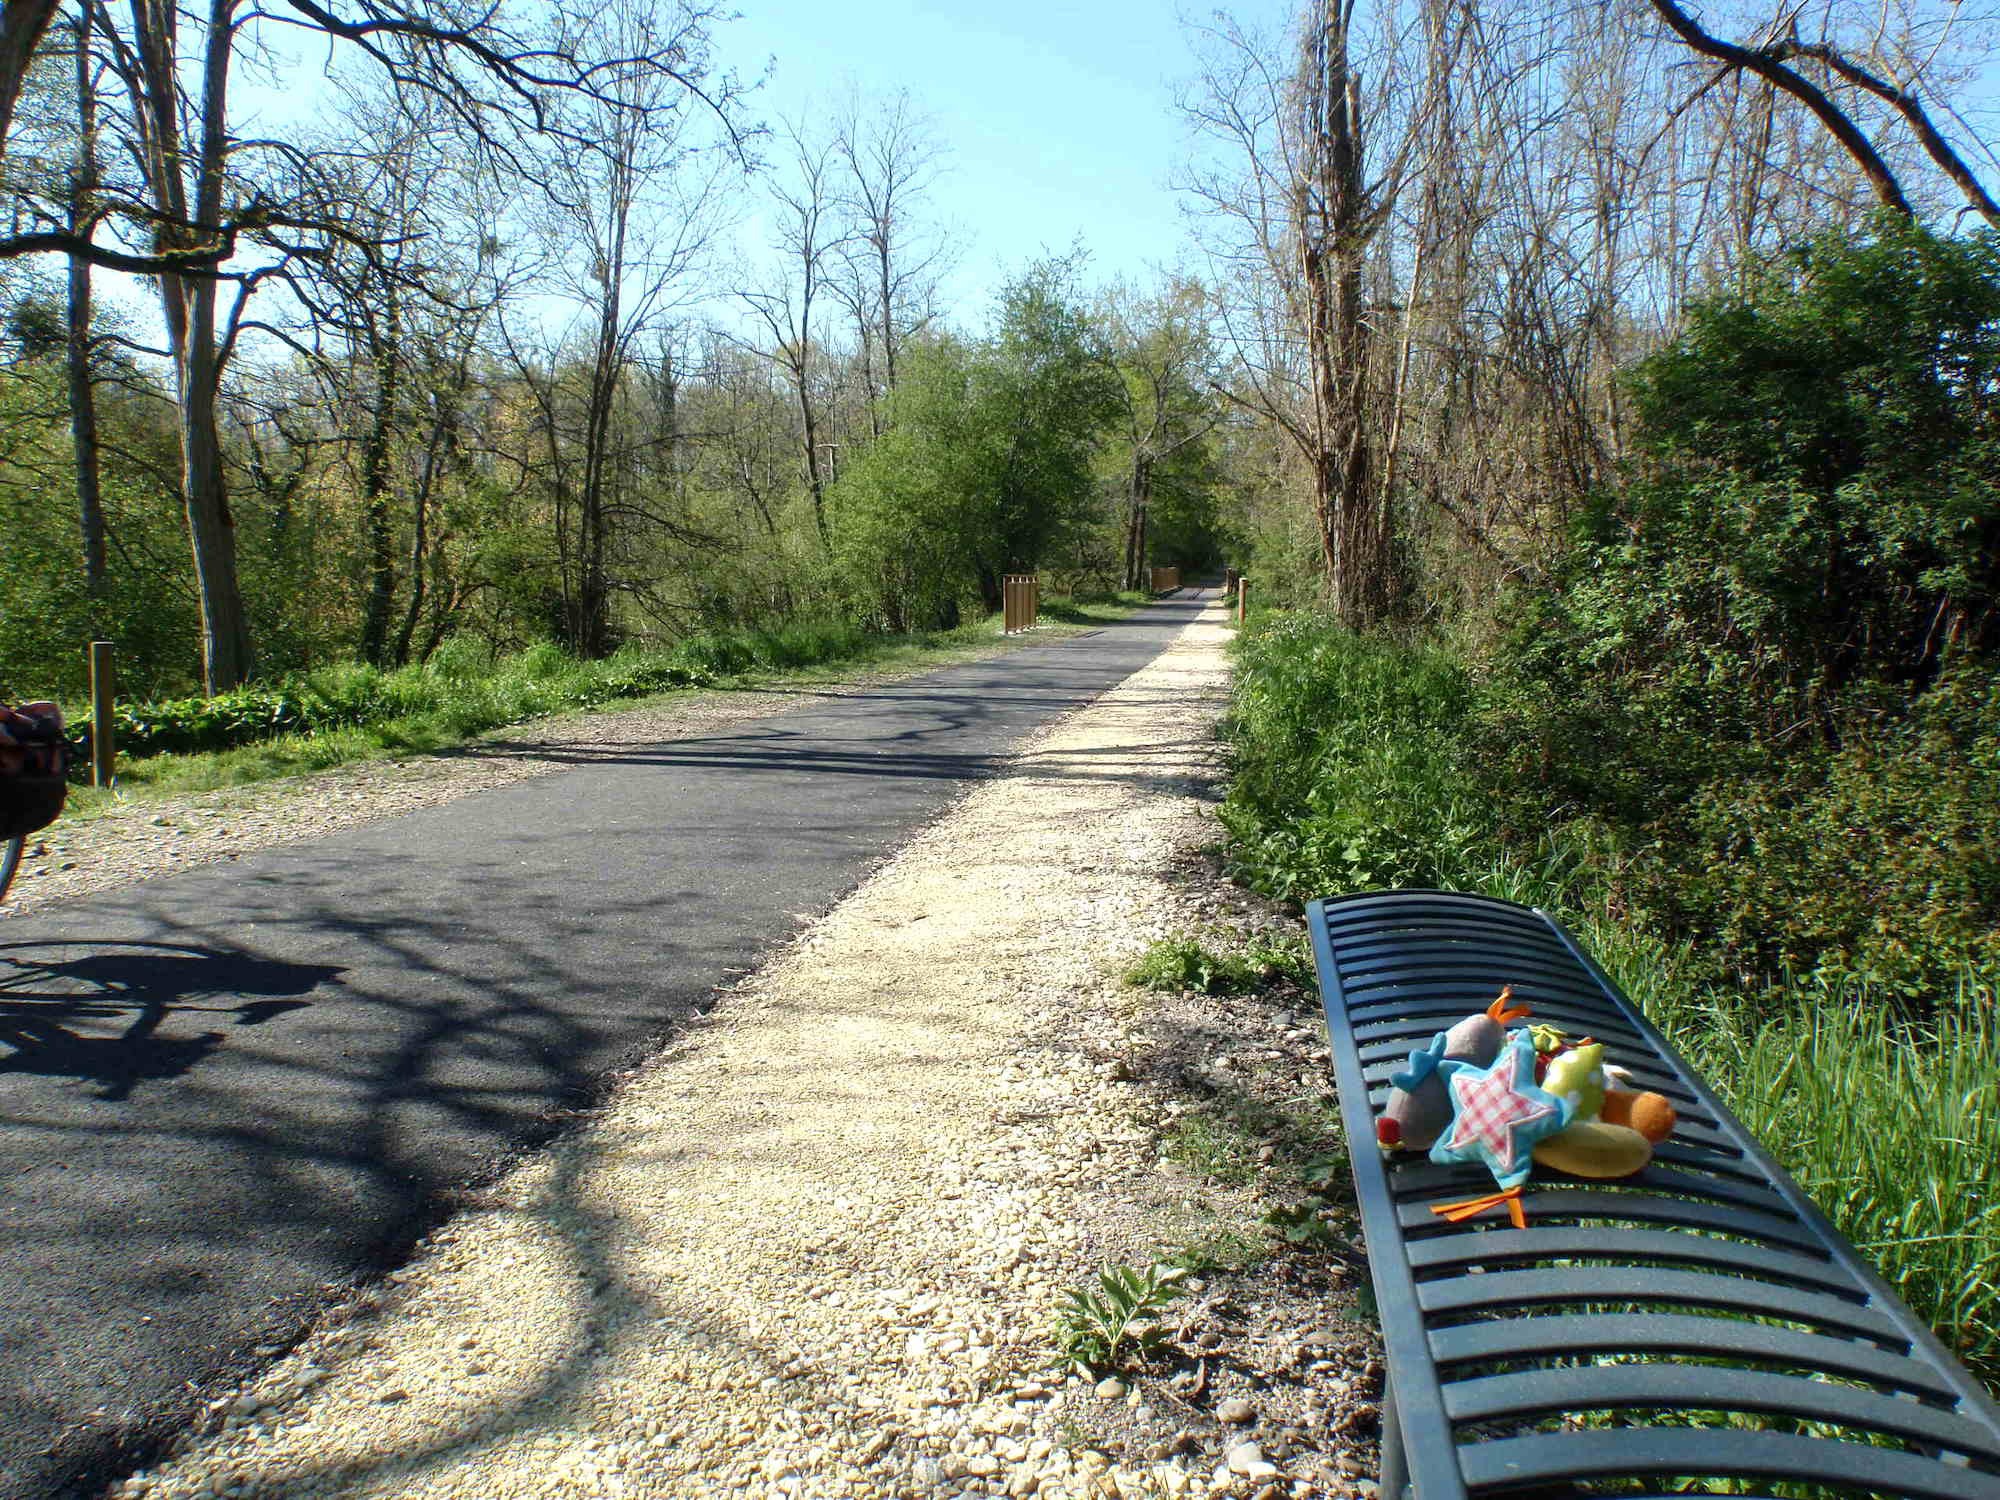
column 628, row 219
column 1776, row 59
column 1311, row 189
column 892, row 259
column 205, row 197
column 808, row 233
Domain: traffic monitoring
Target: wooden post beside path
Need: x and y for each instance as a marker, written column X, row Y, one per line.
column 1020, row 601
column 1242, row 599
column 103, row 748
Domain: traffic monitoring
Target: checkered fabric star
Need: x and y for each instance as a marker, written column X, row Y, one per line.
column 1498, row 1113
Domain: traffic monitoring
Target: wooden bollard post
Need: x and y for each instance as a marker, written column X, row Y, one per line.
column 103, row 748
column 1242, row 600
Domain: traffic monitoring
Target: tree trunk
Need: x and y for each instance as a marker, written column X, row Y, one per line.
column 378, row 528
column 1139, row 502
column 82, row 390
column 1334, row 226
column 188, row 308
column 888, row 291
column 809, row 419
column 22, row 24
column 225, row 630
column 591, row 628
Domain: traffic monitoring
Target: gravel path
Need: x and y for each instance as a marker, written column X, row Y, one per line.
column 812, row 1249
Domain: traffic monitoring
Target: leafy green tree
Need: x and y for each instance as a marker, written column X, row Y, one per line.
column 1825, row 457
column 1767, row 669
column 1813, row 531
column 986, row 468
column 1161, row 356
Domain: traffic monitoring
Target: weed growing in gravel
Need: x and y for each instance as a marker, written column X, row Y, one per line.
column 1184, row 964
column 1213, row 1145
column 1220, row 1249
column 1095, row 1327
column 1234, row 1134
column 1304, row 1224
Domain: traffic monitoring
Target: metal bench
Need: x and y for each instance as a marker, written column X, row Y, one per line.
column 1707, row 1283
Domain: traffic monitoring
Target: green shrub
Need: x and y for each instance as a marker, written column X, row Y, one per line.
column 1879, row 862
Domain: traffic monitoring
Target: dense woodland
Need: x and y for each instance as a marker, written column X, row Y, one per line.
column 480, row 357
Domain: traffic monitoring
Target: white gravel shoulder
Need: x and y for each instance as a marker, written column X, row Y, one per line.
column 813, row 1248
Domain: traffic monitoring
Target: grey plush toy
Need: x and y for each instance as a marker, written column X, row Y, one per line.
column 1419, row 1106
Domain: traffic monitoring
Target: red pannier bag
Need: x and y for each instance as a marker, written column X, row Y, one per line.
column 34, row 768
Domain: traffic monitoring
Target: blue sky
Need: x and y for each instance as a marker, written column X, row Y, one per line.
column 1058, row 116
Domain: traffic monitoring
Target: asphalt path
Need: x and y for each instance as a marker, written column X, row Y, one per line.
column 227, row 1094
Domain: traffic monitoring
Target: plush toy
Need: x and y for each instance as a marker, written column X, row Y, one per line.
column 1646, row 1112
column 1578, row 1076
column 1499, row 1112
column 1591, row 1148
column 1419, row 1106
column 1613, row 1130
column 1511, row 1099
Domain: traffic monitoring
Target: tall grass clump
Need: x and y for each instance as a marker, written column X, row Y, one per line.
column 1892, row 1126
column 1357, row 766
column 1343, row 775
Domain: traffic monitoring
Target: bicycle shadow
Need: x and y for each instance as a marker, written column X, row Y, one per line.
column 96, row 1014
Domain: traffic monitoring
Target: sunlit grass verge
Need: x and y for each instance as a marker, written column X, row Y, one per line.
column 336, row 715
column 1346, row 780
column 1090, row 609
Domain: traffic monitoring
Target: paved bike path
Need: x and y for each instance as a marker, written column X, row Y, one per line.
column 230, row 1090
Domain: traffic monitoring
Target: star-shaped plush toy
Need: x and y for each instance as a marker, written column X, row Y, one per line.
column 1498, row 1113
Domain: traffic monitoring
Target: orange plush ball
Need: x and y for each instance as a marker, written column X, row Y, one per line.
column 1648, row 1113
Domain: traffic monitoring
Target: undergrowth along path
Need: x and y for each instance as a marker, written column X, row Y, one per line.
column 813, row 1247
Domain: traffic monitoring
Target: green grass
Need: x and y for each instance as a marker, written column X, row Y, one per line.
column 1213, row 1145
column 1186, row 963
column 360, row 713
column 1346, row 779
column 1092, row 609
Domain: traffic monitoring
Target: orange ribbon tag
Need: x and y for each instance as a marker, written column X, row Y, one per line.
column 1465, row 1210
column 1504, row 1010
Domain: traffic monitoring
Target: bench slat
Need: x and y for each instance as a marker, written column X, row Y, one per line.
column 1628, row 1284
column 1626, row 1387
column 1546, row 1206
column 1572, row 1334
column 1709, row 1452
column 1488, row 1247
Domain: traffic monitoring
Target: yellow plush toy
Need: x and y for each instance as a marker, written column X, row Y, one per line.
column 1612, row 1131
